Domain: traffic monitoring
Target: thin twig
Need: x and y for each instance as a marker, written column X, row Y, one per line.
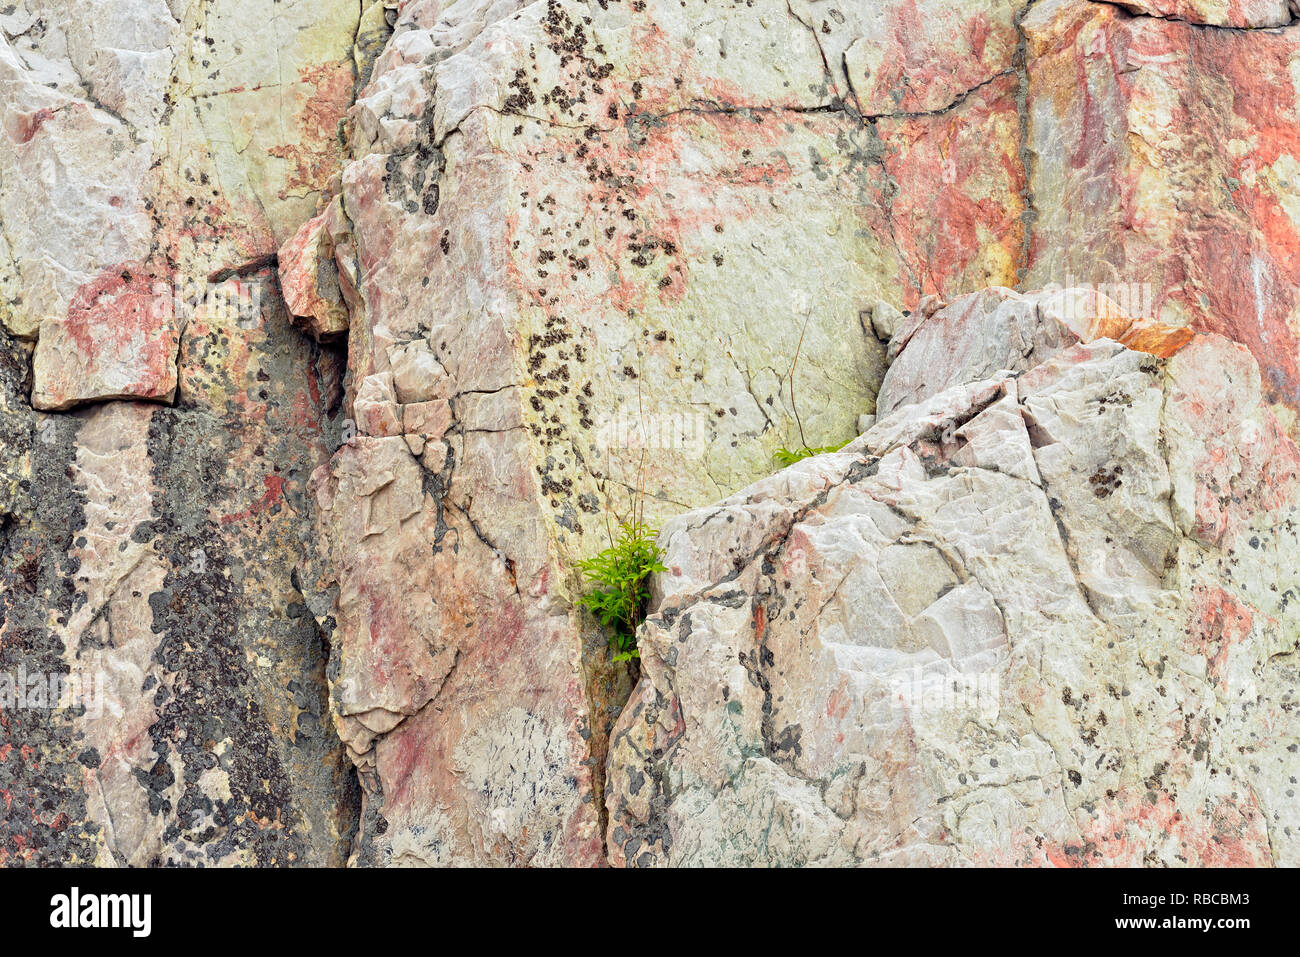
column 793, row 406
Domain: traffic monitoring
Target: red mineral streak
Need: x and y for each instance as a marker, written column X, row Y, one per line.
column 1238, row 13
column 1219, row 622
column 914, row 75
column 978, row 34
column 404, row 766
column 274, row 485
column 306, row 406
column 837, row 704
column 315, row 158
column 126, row 316
column 954, row 204
column 1244, row 468
column 29, row 124
column 122, row 303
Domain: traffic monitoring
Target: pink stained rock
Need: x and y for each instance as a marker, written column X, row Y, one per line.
column 1039, row 612
column 123, row 146
column 309, row 280
column 118, row 340
column 959, row 216
column 1164, row 162
column 915, row 56
column 600, row 237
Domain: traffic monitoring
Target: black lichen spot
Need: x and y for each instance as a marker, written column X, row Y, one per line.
column 1105, row 481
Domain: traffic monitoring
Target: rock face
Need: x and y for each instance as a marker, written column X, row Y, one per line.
column 1252, row 13
column 1034, row 617
column 149, row 557
column 335, row 334
column 160, row 142
column 148, row 551
column 583, row 239
column 1164, row 169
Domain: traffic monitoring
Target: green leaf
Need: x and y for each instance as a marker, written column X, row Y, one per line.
column 621, row 575
column 787, row 457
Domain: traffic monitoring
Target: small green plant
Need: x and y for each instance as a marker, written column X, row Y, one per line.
column 787, row 457
column 621, row 575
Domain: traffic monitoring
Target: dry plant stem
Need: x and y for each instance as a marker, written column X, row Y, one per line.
column 795, row 408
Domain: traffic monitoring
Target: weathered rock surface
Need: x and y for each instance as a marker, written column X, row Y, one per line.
column 1225, row 13
column 602, row 260
column 309, row 276
column 590, row 244
column 1031, row 617
column 1164, row 165
column 564, row 288
column 159, row 143
column 147, row 551
column 981, row 335
column 149, row 555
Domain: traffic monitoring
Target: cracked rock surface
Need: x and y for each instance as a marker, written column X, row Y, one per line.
column 152, row 157
column 1040, row 617
column 334, row 333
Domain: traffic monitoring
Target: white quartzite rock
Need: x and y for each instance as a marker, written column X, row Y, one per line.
column 1036, row 618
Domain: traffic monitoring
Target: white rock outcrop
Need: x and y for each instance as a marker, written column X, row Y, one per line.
column 1042, row 616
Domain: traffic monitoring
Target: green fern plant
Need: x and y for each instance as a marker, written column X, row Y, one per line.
column 621, row 575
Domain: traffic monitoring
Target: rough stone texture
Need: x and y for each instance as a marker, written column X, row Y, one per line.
column 916, row 57
column 152, row 158
column 153, row 550
column 562, row 221
column 582, row 232
column 1248, row 13
column 310, row 279
column 1166, row 154
column 160, row 142
column 1033, row 618
column 1000, row 329
column 575, row 249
